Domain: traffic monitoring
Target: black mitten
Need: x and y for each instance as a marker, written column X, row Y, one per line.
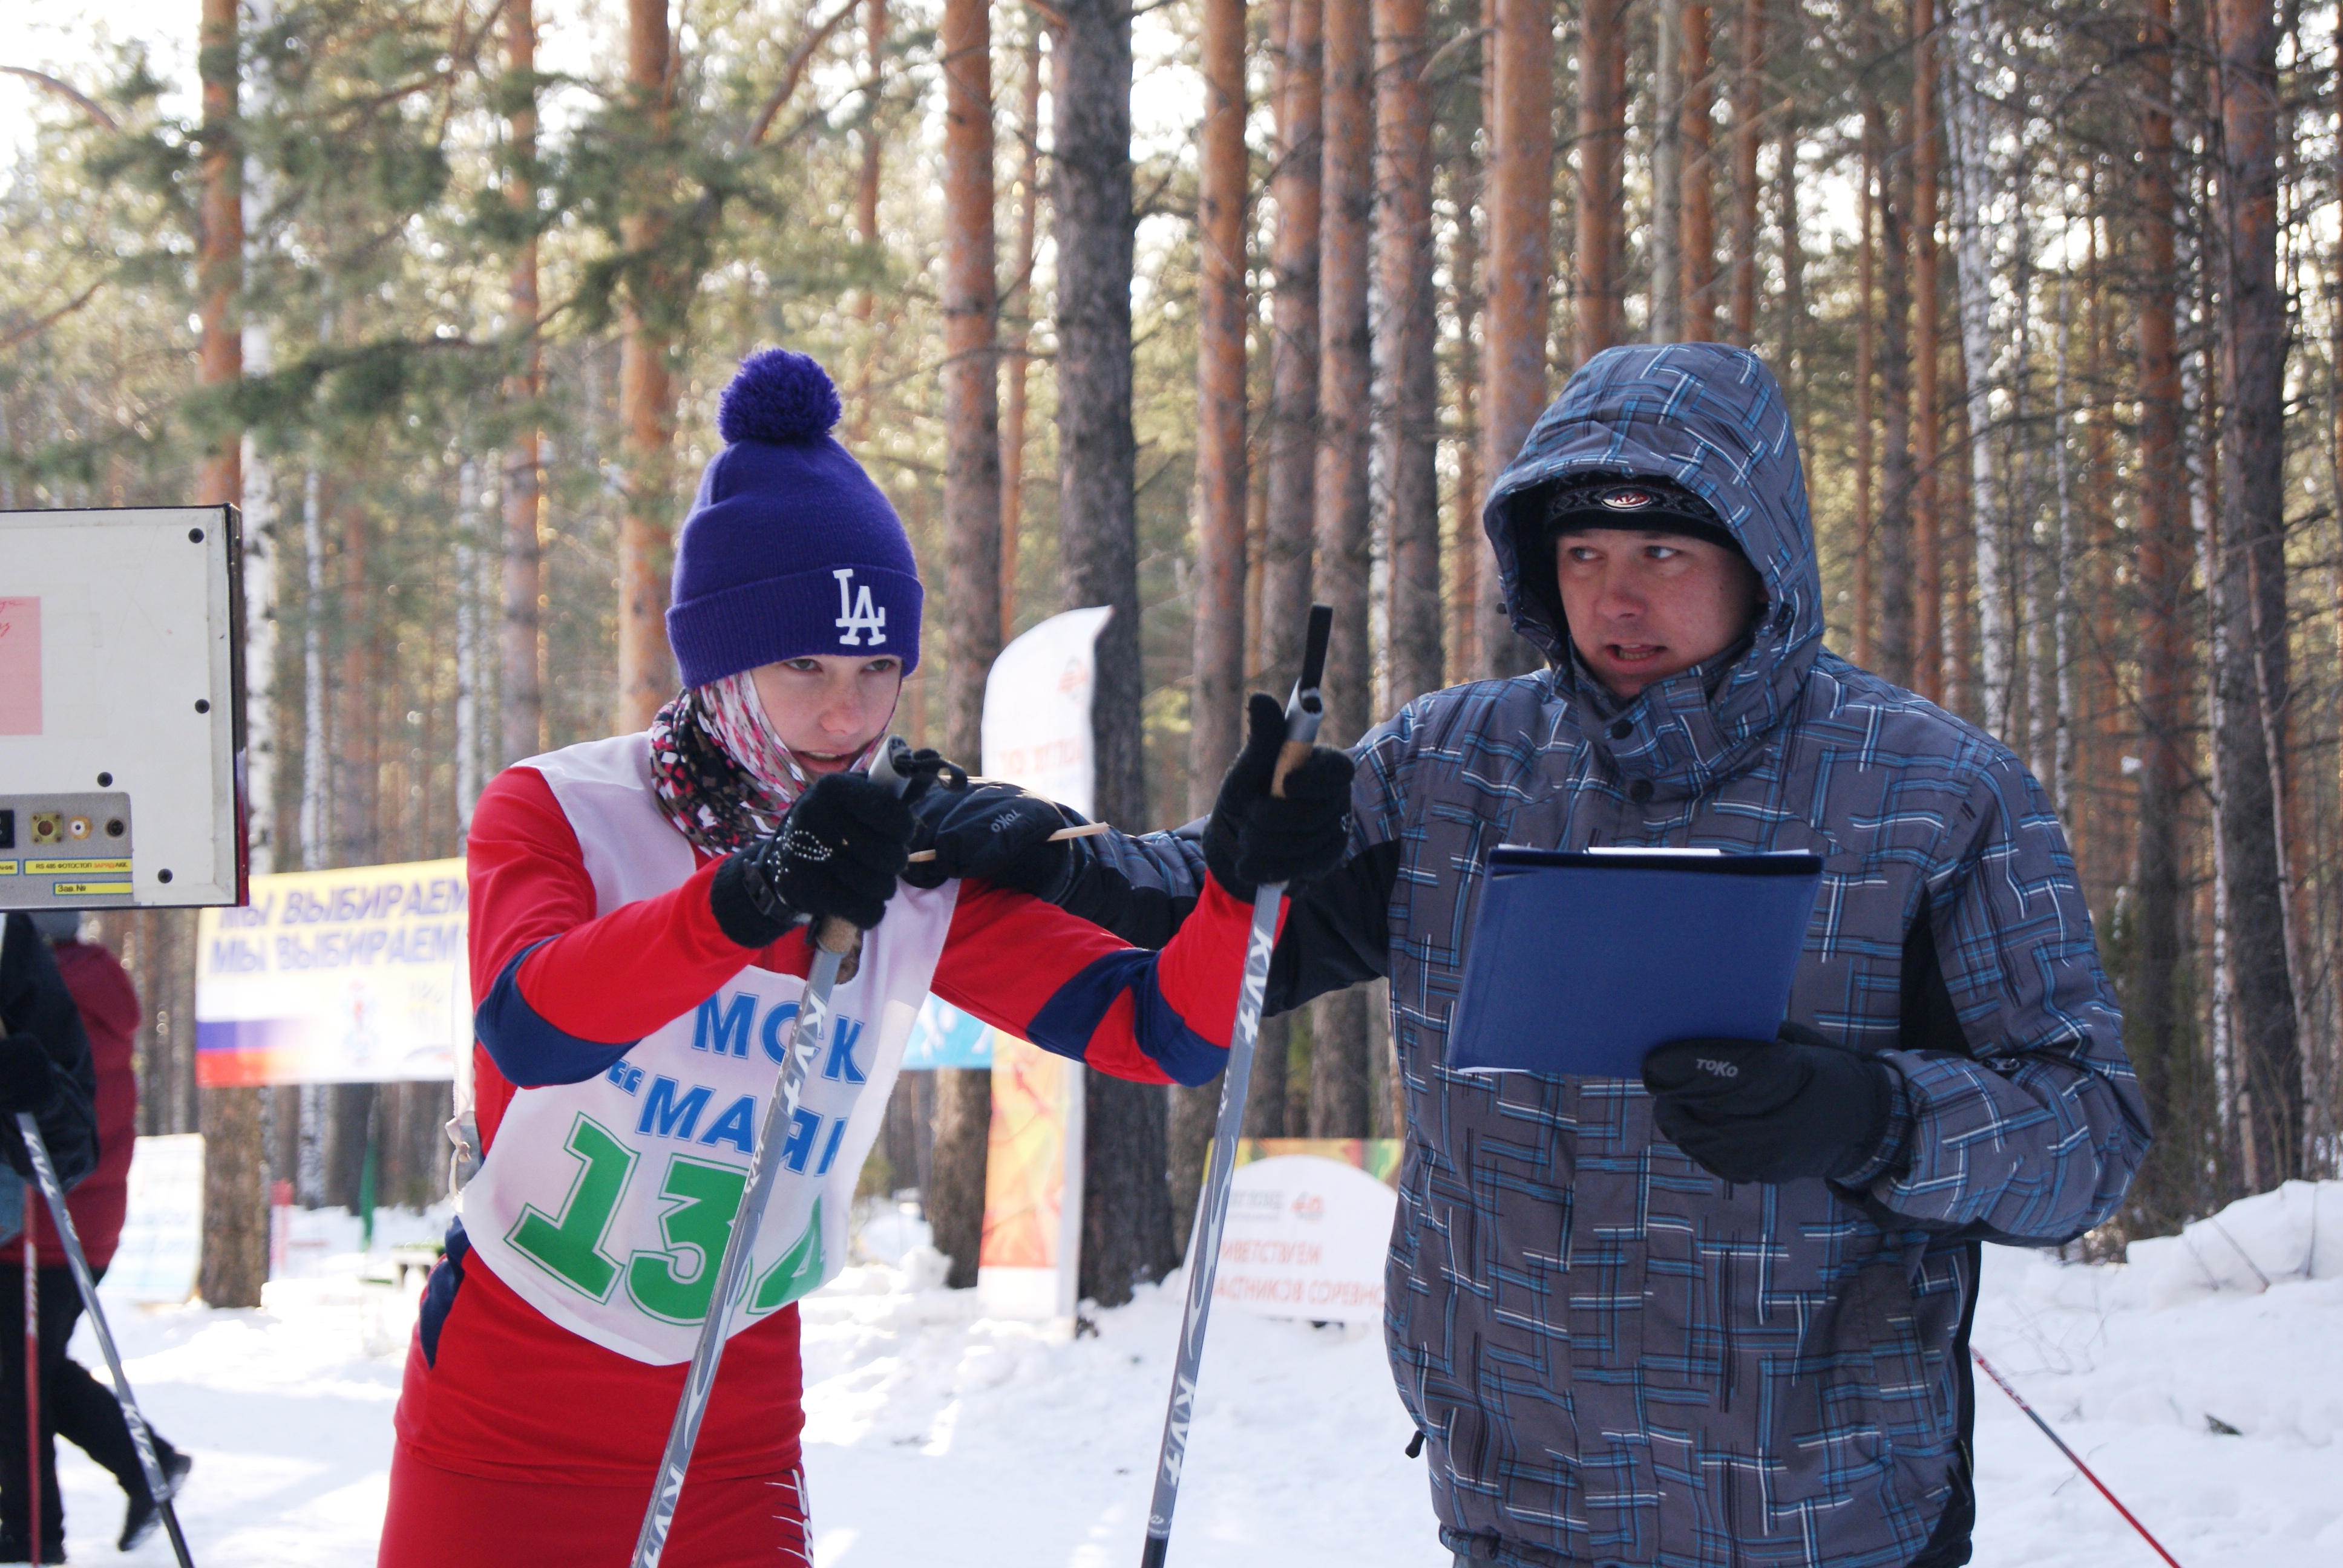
column 995, row 832
column 28, row 1079
column 1254, row 837
column 839, row 853
column 1770, row 1110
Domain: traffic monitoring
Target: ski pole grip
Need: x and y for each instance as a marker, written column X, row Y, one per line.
column 891, row 768
column 1306, row 708
column 1301, row 716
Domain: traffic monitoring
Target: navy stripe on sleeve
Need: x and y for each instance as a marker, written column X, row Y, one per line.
column 1068, row 1020
column 529, row 1051
column 439, row 1291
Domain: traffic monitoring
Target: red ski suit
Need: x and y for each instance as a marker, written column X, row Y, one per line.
column 520, row 1442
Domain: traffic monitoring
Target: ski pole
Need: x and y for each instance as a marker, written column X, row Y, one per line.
column 142, row 1437
column 2072, row 1457
column 834, row 940
column 32, row 1399
column 1303, row 711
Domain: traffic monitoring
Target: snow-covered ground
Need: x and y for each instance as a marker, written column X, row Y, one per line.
column 936, row 1435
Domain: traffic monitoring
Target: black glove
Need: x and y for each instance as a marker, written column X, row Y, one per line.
column 993, row 831
column 1256, row 836
column 28, row 1079
column 839, row 852
column 1770, row 1110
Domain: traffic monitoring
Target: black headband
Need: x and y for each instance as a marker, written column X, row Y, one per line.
column 1636, row 505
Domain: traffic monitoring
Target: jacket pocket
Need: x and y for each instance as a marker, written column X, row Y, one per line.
column 1865, row 1339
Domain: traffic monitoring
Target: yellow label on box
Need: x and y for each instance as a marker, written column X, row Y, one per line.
column 73, row 867
column 88, row 890
column 7, row 867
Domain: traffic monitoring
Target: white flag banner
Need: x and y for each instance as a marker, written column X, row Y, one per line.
column 1037, row 734
column 1037, row 709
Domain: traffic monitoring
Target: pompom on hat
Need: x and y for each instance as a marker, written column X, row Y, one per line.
column 788, row 549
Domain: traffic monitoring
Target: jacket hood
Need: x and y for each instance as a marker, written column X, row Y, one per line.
column 1711, row 419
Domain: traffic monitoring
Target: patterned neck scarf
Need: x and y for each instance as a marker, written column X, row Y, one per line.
column 718, row 771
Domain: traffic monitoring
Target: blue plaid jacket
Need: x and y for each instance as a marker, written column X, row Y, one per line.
column 1617, row 1357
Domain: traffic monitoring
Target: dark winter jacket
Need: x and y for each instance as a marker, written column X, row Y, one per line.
column 1617, row 1357
column 108, row 1005
column 33, row 1001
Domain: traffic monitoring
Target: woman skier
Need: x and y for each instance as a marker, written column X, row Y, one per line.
column 640, row 910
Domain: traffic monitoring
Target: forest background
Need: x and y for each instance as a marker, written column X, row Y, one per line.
column 1201, row 310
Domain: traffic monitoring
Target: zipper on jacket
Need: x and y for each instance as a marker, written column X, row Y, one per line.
column 1725, row 1321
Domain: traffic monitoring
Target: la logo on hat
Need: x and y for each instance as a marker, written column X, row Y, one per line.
column 858, row 615
column 1628, row 501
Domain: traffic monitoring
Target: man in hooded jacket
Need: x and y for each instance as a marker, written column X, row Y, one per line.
column 1710, row 1318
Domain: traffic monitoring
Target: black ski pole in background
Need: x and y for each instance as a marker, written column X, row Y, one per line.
column 33, row 1402
column 1303, row 711
column 142, row 1437
column 834, row 940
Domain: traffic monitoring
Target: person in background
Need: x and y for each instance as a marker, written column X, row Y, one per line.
column 74, row 1405
column 45, row 1069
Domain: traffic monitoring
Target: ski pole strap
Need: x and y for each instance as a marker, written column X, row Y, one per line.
column 2072, row 1457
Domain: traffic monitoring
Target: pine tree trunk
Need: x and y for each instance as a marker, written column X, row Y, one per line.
column 1666, row 311
column 651, row 318
column 1957, row 503
column 952, row 1195
column 1699, row 230
column 1519, row 114
column 1971, row 176
column 1126, row 1207
column 1927, row 417
column 1290, row 480
column 2252, row 564
column 1337, row 1059
column 523, row 705
column 1601, row 136
column 1475, row 592
column 1867, row 377
column 1215, row 714
column 1345, row 376
column 1749, row 133
column 235, row 1199
column 1793, row 341
column 971, row 386
column 1019, row 309
column 219, row 255
column 866, row 217
column 2095, row 754
column 1894, row 530
column 1403, row 347
column 1286, row 579
column 1216, row 703
column 972, row 378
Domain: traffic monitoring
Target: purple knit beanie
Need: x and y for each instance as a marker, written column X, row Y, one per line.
column 789, row 549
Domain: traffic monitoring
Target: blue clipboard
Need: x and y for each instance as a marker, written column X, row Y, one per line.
column 1579, row 964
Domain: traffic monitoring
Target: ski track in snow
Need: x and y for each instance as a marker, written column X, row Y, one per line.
column 936, row 1435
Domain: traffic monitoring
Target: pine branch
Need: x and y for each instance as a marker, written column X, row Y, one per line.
column 71, row 95
column 800, row 59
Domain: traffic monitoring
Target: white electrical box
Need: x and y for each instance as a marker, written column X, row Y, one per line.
column 121, row 708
